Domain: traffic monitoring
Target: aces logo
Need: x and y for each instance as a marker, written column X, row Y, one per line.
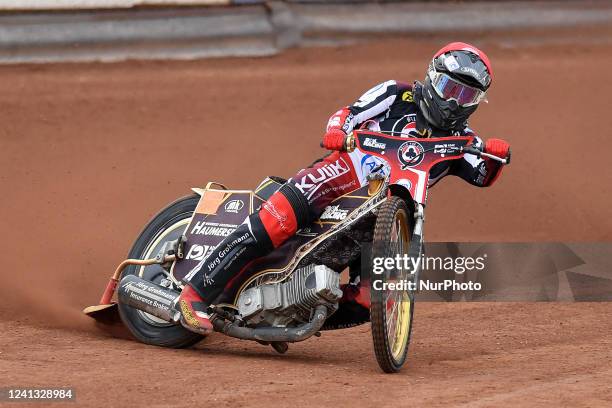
column 410, row 154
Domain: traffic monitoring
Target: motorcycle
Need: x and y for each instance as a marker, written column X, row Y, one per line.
column 294, row 292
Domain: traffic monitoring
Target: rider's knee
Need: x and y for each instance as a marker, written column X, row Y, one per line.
column 284, row 213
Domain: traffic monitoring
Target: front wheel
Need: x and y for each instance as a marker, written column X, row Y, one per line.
column 168, row 225
column 391, row 307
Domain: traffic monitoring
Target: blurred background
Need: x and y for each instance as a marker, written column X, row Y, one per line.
column 111, row 30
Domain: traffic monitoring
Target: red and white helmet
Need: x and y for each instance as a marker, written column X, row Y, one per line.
column 457, row 80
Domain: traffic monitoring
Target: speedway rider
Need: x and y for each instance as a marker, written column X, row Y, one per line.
column 456, row 82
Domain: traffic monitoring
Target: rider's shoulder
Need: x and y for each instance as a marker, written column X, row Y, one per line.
column 396, row 84
column 386, row 87
column 402, row 90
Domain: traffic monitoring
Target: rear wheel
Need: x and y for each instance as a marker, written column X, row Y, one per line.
column 391, row 309
column 168, row 225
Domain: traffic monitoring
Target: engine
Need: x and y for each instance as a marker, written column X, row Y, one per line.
column 291, row 301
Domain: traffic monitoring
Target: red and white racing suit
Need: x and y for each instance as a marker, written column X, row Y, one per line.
column 391, row 107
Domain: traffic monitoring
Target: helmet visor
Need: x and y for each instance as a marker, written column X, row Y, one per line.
column 449, row 88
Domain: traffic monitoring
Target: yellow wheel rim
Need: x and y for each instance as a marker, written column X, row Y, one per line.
column 399, row 317
column 402, row 328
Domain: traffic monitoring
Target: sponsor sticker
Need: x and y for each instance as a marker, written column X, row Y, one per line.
column 233, row 206
column 212, row 229
column 371, row 142
column 333, row 212
column 407, row 97
column 348, row 123
column 369, row 163
column 446, row 148
column 451, row 63
column 311, row 182
column 406, row 183
column 199, row 252
column 470, row 70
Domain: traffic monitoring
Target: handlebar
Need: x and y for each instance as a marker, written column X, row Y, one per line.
column 350, row 145
column 479, row 153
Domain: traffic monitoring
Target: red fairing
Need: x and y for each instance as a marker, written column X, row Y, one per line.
column 339, row 120
column 461, row 46
column 278, row 219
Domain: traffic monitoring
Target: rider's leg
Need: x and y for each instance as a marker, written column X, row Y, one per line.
column 297, row 203
column 279, row 218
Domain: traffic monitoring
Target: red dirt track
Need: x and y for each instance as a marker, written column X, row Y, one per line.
column 91, row 151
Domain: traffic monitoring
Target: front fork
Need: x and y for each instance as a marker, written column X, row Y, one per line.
column 417, row 249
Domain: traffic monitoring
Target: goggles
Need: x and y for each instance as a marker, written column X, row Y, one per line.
column 448, row 88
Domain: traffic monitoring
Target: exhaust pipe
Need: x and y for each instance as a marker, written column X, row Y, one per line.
column 149, row 297
column 275, row 334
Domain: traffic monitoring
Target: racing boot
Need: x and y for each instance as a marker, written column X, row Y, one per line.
column 193, row 311
column 357, row 293
column 353, row 307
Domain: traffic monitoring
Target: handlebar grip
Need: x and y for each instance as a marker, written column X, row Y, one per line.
column 479, row 153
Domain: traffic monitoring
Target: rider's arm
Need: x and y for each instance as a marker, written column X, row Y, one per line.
column 371, row 104
column 481, row 172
